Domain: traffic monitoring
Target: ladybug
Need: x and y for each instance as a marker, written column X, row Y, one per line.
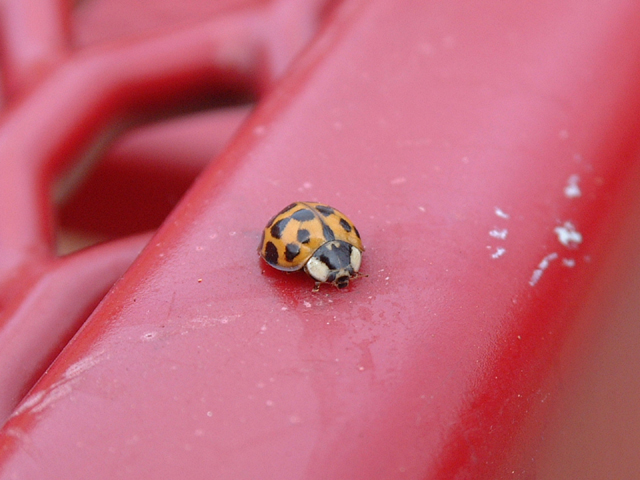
column 315, row 237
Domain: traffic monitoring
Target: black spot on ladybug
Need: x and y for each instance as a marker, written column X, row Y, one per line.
column 277, row 229
column 328, row 233
column 324, row 210
column 304, row 236
column 344, row 224
column 335, row 255
column 291, row 251
column 271, row 253
column 356, row 231
column 286, row 209
column 342, row 282
column 303, row 215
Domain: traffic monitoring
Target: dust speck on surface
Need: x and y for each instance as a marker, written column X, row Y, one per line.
column 568, row 235
column 542, row 266
column 500, row 213
column 148, row 336
column 572, row 189
column 498, row 253
column 501, row 234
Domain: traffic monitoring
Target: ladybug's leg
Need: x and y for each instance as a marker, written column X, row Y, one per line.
column 316, row 287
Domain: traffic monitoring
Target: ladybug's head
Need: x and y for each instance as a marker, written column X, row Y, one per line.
column 334, row 262
column 342, row 281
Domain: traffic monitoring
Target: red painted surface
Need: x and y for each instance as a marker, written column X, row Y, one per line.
column 453, row 135
column 144, row 174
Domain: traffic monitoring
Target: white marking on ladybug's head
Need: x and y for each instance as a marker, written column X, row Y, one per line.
column 317, row 269
column 356, row 259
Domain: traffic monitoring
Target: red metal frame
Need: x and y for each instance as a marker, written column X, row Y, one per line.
column 487, row 154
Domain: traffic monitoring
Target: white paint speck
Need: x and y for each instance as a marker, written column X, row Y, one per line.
column 498, row 253
column 398, row 181
column 568, row 235
column 422, row 209
column 500, row 213
column 572, row 190
column 542, row 266
column 307, row 304
column 501, row 234
column 569, row 262
column 535, row 277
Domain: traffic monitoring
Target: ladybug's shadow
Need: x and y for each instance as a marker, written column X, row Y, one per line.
column 296, row 288
column 287, row 283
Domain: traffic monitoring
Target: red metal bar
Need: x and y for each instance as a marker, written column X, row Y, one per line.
column 145, row 172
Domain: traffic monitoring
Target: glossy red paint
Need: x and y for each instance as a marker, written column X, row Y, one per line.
column 487, row 153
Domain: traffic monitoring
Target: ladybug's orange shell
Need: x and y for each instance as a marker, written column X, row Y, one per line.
column 293, row 235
